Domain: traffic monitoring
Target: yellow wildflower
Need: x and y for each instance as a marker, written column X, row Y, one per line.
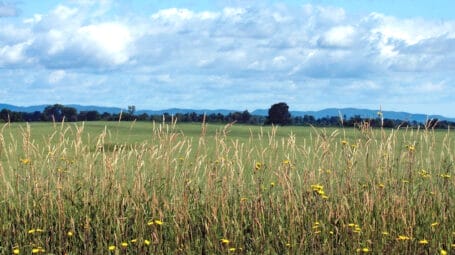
column 434, row 224
column 112, row 248
column 38, row 250
column 364, row 250
column 443, row 252
column 446, row 176
column 272, row 184
column 423, row 241
column 344, row 142
column 147, row 242
column 224, row 241
column 133, row 241
column 26, row 161
column 70, row 234
column 424, row 174
column 403, row 238
column 286, row 162
column 316, row 187
column 258, row 166
column 410, row 147
column 16, row 251
column 385, row 233
column 124, row 244
column 232, row 249
column 157, row 222
column 35, row 230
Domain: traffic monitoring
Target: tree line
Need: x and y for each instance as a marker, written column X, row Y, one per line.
column 278, row 114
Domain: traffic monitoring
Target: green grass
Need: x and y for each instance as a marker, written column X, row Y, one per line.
column 82, row 188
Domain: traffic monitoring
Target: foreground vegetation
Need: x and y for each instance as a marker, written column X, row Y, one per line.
column 142, row 188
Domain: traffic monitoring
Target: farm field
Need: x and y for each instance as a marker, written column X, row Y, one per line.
column 156, row 188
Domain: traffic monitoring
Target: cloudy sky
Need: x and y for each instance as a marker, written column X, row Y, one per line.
column 234, row 54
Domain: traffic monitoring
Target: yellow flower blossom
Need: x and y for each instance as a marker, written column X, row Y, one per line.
column 403, row 238
column 112, row 248
column 410, row 147
column 224, row 241
column 443, row 252
column 232, row 249
column 35, row 230
column 26, row 161
column 147, row 242
column 434, row 224
column 157, row 222
column 272, row 184
column 258, row 166
column 423, row 241
column 385, row 233
column 316, row 187
column 344, row 142
column 124, row 244
column 133, row 241
column 363, row 250
column 38, row 250
column 70, row 234
column 16, row 251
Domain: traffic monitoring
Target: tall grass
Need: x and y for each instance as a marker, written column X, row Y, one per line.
column 333, row 191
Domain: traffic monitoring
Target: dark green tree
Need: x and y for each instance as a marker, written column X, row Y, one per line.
column 53, row 113
column 69, row 113
column 279, row 115
column 5, row 115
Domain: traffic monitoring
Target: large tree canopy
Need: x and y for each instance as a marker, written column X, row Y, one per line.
column 279, row 114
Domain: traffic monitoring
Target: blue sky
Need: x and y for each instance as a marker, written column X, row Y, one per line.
column 233, row 54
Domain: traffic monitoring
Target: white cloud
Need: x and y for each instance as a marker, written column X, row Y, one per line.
column 56, row 76
column 13, row 54
column 110, row 41
column 339, row 36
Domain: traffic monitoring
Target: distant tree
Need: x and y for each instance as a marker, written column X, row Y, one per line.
column 69, row 113
column 53, row 112
column 5, row 115
column 279, row 114
column 89, row 116
column 131, row 109
column 246, row 116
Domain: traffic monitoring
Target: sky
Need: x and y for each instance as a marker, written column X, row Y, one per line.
column 230, row 54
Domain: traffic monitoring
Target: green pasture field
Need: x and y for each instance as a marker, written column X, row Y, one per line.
column 157, row 188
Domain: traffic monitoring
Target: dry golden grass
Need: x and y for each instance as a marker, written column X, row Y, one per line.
column 225, row 190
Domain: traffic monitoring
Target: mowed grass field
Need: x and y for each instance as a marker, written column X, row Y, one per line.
column 154, row 188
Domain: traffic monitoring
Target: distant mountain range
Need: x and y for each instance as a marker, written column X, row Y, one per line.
column 345, row 112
